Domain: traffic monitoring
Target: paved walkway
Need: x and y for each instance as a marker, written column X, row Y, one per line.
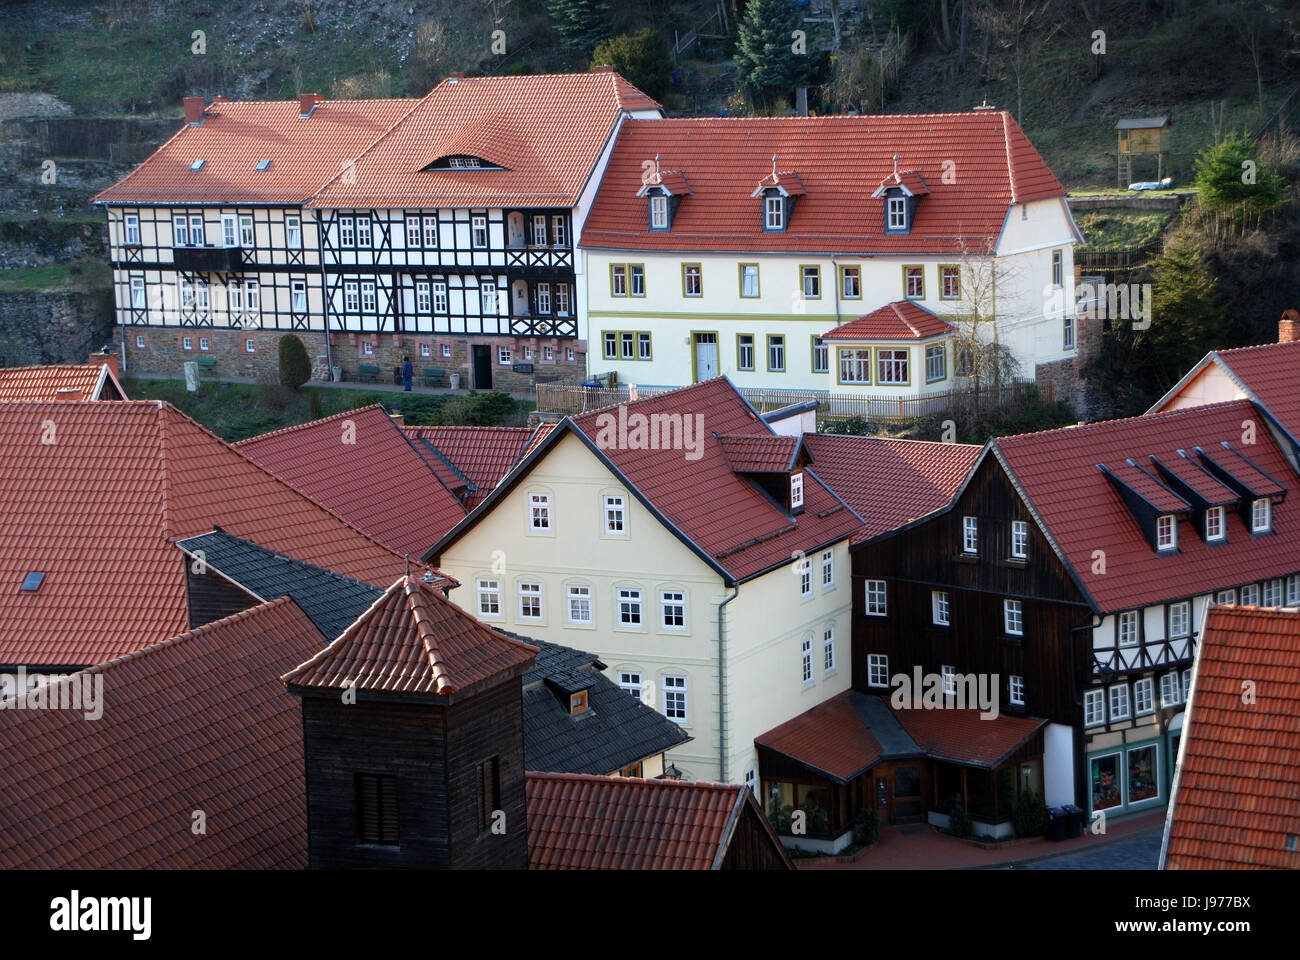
column 382, row 386
column 919, row 846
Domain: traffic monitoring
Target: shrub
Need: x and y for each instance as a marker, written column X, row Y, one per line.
column 295, row 366
column 1030, row 816
column 866, row 829
column 314, row 405
column 959, row 823
column 642, row 57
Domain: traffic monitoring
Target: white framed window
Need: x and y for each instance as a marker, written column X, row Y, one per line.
column 423, row 299
column 1094, row 707
column 1144, row 699
column 137, row 293
column 812, row 282
column 446, row 351
column 672, row 606
column 851, row 283
column 440, row 296
column 562, row 299
column 1119, row 706
column 675, row 698
column 187, row 295
column 579, row 604
column 1261, row 515
column 293, row 233
column 539, row 511
column 430, row 233
column 805, row 660
column 229, row 230
column 424, row 350
column 892, row 366
column 1293, row 590
column 828, row 650
column 1180, row 619
column 368, row 348
column 298, row 296
column 530, row 601
column 246, row 235
column 363, row 232
column 796, row 490
column 749, row 279
column 250, row 345
column 936, row 363
column 351, row 297
column 1016, row 691
column 368, row 301
column 828, row 569
column 252, row 298
column 559, row 231
column 643, row 346
column 1187, row 684
column 805, row 577
column 201, row 295
column 939, row 607
column 478, row 232
column 775, row 210
column 876, row 602
column 776, row 352
column 1067, row 333
column 949, row 675
column 1058, row 268
column 528, row 353
column 1170, row 691
column 539, row 230
column 1250, row 595
column 187, row 343
column 503, row 356
column 132, row 224
column 198, row 237
column 970, row 535
column 235, row 297
column 659, row 212
column 569, row 354
column 347, row 232
column 615, row 515
column 543, row 298
column 629, row 681
column 139, row 342
column 1013, row 617
column 821, row 356
column 1128, row 628
column 855, row 366
column 180, row 232
column 1226, row 596
column 412, row 232
column 877, row 670
column 1019, row 539
column 897, row 213
column 1272, row 593
column 203, row 344
column 629, row 607
column 489, row 598
column 548, row 353
column 1214, row 531
column 1166, row 532
column 488, row 299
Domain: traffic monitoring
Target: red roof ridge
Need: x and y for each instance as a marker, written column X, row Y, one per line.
column 636, row 781
column 1294, row 344
column 1140, row 417
column 615, row 404
column 1011, row 167
column 373, row 143
column 312, row 423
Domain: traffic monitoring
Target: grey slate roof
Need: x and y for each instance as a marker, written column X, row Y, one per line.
column 1142, row 123
column 331, row 600
column 884, row 726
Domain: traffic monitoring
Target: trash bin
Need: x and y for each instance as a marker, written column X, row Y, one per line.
column 455, row 381
column 336, row 373
column 1056, row 818
column 1074, row 820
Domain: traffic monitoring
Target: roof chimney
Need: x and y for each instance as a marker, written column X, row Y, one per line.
column 105, row 359
column 67, row 394
column 397, row 417
column 602, row 68
column 1288, row 328
column 307, row 103
column 455, row 75
column 193, row 110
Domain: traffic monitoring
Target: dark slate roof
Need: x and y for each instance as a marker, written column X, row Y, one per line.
column 617, row 730
column 881, row 720
column 331, row 600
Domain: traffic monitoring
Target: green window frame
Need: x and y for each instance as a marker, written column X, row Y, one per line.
column 740, row 278
column 813, row 272
column 627, row 345
column 740, row 347
column 618, row 279
column 906, row 360
column 862, row 360
column 609, row 344
column 940, row 352
column 818, row 345
column 776, row 340
column 644, row 345
column 949, row 271
column 636, row 279
column 698, row 276
column 908, row 276
column 854, row 271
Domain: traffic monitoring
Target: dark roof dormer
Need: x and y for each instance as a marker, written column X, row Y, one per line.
column 774, row 463
column 779, row 190
column 901, row 191
column 462, row 161
column 663, row 191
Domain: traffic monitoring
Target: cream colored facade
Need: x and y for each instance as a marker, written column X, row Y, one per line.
column 765, row 621
column 1029, row 305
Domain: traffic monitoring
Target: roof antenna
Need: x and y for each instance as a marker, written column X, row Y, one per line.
column 657, row 174
column 895, row 166
column 774, row 166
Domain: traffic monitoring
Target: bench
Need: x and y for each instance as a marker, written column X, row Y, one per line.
column 367, row 372
column 429, row 377
column 206, row 363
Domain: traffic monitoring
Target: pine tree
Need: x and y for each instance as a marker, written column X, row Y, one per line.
column 580, row 24
column 766, row 54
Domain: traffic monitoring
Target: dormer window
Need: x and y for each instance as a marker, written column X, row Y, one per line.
column 658, row 212
column 1166, row 532
column 578, row 702
column 774, row 213
column 1261, row 516
column 897, row 213
column 1214, row 532
column 796, row 491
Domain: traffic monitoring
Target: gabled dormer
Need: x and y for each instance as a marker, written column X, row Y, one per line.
column 663, row 191
column 776, row 464
column 1156, row 508
column 779, row 191
column 901, row 192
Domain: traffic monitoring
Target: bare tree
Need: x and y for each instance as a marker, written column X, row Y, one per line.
column 979, row 355
column 1022, row 28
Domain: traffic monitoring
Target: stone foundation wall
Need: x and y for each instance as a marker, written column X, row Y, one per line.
column 38, row 328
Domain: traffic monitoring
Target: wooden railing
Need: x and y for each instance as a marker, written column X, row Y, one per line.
column 563, row 399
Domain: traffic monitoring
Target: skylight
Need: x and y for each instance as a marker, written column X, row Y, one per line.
column 197, row 164
column 262, row 165
column 32, row 582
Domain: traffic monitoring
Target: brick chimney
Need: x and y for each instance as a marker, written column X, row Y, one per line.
column 397, row 417
column 105, row 359
column 307, row 102
column 67, row 394
column 602, row 68
column 1288, row 328
column 193, row 110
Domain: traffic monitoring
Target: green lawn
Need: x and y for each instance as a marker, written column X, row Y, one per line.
column 60, row 277
column 1111, row 228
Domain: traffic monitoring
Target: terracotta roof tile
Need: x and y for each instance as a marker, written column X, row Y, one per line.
column 581, row 822
column 1269, row 374
column 760, row 454
column 901, row 320
column 482, row 454
column 1236, row 797
column 98, row 509
column 413, row 640
column 362, row 466
column 1083, row 511
column 59, row 382
column 840, row 161
column 831, row 737
column 963, row 736
column 890, row 482
column 196, row 722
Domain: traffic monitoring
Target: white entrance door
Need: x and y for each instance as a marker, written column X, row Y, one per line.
column 706, row 356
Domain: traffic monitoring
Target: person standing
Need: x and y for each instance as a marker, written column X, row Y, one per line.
column 408, row 374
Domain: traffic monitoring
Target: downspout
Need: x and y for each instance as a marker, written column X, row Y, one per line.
column 835, row 270
column 722, row 696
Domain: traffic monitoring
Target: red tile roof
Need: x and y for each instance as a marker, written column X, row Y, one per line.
column 1083, row 512
column 414, row 641
column 235, row 137
column 1268, row 374
column 483, row 454
column 59, row 382
column 196, row 722
column 582, row 822
column 760, row 454
column 722, row 513
column 909, row 180
column 890, row 482
column 1236, row 796
column 98, row 509
column 840, row 161
column 901, row 320
column 361, row 465
column 547, row 131
column 830, row 737
column 963, row 736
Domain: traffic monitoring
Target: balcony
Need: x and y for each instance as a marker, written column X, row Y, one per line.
column 208, row 259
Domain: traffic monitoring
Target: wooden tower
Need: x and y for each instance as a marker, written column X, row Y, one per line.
column 1144, row 137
